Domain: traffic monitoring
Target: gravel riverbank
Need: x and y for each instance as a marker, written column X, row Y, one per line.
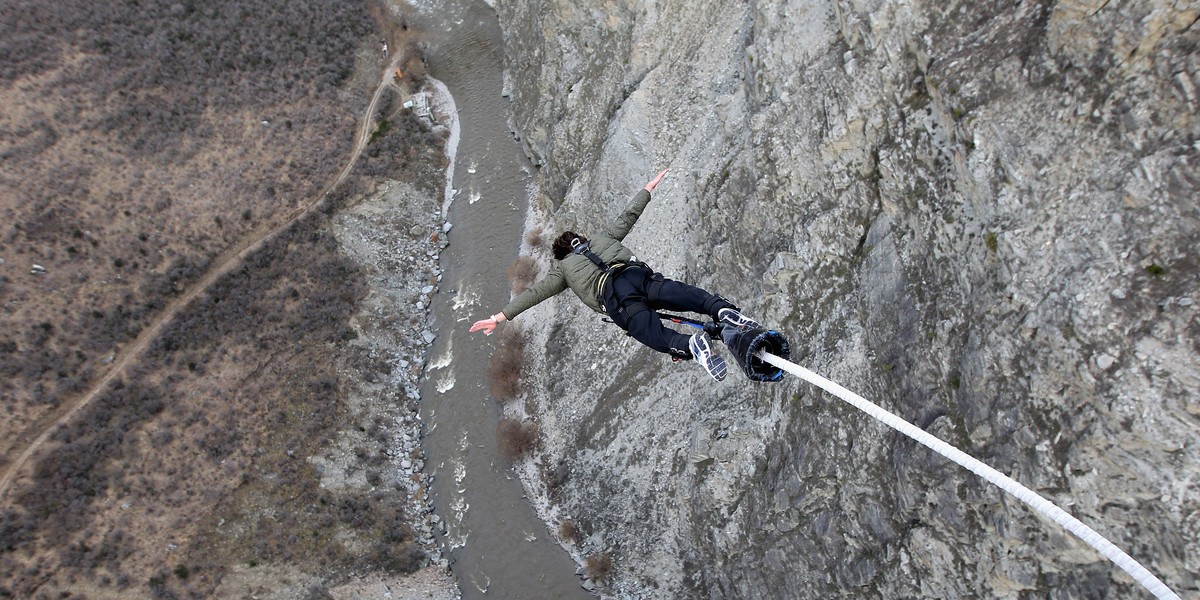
column 396, row 235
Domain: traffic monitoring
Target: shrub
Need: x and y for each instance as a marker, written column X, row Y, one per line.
column 404, row 558
column 535, row 238
column 16, row 529
column 569, row 532
column 406, row 149
column 414, row 59
column 318, row 592
column 504, row 369
column 380, row 129
column 522, row 273
column 598, row 567
column 516, row 438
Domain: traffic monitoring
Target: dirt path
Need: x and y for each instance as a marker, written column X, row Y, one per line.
column 225, row 262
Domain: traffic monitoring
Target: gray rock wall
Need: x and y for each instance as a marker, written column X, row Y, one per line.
column 982, row 216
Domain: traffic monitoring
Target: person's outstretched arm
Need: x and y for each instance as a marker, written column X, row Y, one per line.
column 624, row 224
column 548, row 286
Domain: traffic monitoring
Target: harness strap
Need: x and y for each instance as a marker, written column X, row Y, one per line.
column 632, row 308
column 654, row 287
column 607, row 271
column 585, row 249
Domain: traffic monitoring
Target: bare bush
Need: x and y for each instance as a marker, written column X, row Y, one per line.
column 98, row 454
column 164, row 83
column 504, row 370
column 406, row 148
column 317, row 592
column 403, row 558
column 522, row 273
column 569, row 532
column 516, row 438
column 535, row 238
column 598, row 567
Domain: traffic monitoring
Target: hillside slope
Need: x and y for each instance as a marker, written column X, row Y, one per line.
column 193, row 357
column 981, row 216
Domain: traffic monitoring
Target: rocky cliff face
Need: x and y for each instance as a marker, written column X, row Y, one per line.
column 982, row 216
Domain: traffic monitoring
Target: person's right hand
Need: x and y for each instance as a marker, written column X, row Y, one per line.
column 654, row 182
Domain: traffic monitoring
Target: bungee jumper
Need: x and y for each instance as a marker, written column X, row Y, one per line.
column 609, row 279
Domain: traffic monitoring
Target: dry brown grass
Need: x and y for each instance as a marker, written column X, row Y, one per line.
column 216, row 415
column 522, row 273
column 129, row 166
column 199, row 449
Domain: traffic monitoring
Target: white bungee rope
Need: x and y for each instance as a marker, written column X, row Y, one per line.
column 1004, row 482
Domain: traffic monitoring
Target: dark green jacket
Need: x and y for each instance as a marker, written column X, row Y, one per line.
column 576, row 271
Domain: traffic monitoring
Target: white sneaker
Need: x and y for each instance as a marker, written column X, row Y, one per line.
column 702, row 352
column 737, row 319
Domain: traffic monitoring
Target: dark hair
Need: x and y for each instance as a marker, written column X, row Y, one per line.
column 562, row 245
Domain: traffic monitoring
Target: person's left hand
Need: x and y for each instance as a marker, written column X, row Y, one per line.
column 654, row 182
column 489, row 324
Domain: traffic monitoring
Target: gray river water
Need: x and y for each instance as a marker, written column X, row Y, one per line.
column 498, row 546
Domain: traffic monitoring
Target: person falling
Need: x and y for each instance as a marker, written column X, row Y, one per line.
column 609, row 279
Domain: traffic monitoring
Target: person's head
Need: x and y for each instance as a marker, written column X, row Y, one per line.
column 565, row 243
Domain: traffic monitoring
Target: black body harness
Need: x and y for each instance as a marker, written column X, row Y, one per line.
column 621, row 310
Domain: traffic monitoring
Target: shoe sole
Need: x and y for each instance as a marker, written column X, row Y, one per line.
column 715, row 365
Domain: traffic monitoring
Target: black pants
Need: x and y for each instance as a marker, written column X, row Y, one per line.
column 631, row 287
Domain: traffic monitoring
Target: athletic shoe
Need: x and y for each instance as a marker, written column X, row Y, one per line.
column 739, row 321
column 702, row 352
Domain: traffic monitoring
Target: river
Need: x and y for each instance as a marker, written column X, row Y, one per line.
column 498, row 547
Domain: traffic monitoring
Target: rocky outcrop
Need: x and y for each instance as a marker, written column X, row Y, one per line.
column 982, row 216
